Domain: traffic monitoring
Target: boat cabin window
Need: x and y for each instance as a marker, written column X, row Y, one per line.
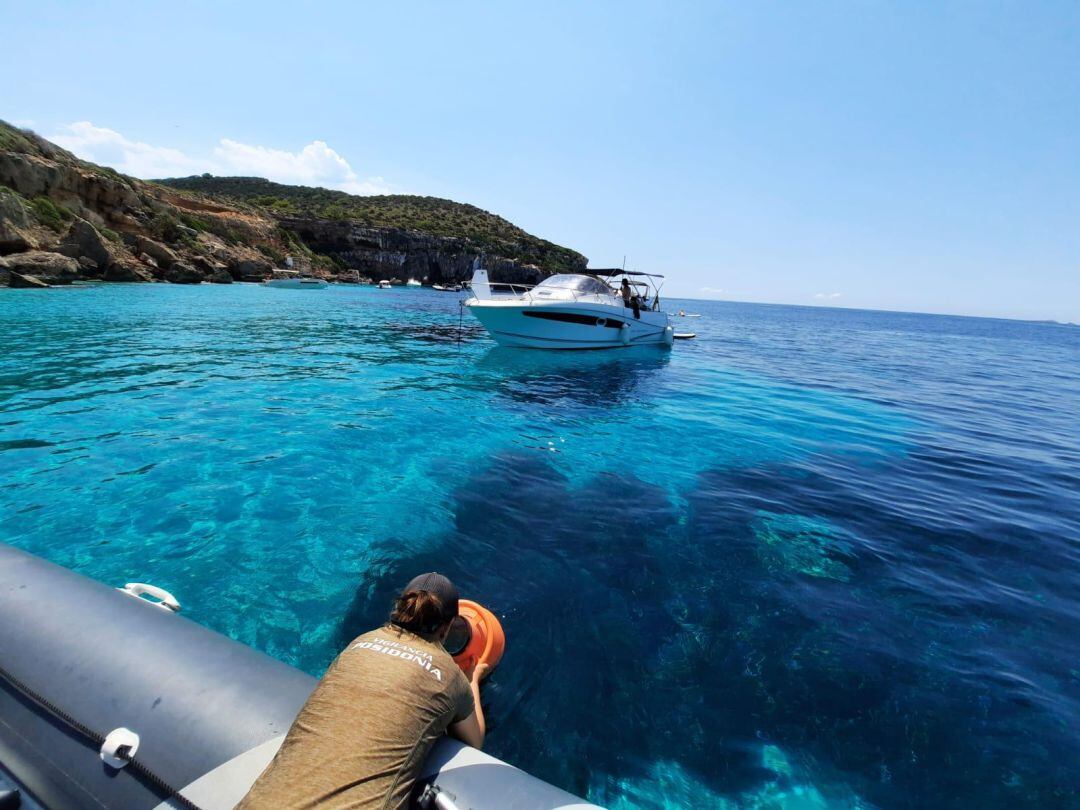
column 577, row 283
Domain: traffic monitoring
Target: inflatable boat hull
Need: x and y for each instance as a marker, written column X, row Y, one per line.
column 79, row 659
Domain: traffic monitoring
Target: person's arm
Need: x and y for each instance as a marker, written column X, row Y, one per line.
column 472, row 729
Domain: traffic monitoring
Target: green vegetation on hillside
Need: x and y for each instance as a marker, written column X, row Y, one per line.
column 14, row 139
column 50, row 214
column 484, row 230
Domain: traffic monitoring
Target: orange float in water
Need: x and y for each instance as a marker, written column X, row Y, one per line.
column 475, row 637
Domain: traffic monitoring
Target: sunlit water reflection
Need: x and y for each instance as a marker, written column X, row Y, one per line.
column 812, row 558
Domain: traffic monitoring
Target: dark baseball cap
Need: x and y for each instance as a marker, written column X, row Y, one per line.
column 440, row 586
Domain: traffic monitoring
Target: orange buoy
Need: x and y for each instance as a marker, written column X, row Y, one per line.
column 475, row 637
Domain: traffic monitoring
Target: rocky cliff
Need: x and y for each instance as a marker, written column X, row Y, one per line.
column 391, row 236
column 394, row 253
column 63, row 219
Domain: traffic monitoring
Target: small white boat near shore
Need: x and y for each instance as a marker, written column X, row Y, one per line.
column 292, row 280
column 384, row 285
column 412, row 282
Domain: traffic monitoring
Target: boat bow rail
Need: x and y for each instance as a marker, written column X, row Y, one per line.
column 92, row 678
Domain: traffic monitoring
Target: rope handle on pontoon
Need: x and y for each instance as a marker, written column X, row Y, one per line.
column 165, row 600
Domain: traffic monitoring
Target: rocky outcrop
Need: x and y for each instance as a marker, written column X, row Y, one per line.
column 180, row 273
column 82, row 241
column 387, row 253
column 27, row 282
column 161, row 255
column 212, row 270
column 16, row 226
column 251, row 269
column 98, row 224
column 98, row 193
column 114, row 228
column 48, row 268
column 127, row 269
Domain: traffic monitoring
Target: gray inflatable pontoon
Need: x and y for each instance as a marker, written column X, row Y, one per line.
column 92, row 677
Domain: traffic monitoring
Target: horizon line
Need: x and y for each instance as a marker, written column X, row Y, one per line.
column 1045, row 321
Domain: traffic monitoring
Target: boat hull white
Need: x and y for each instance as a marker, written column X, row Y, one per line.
column 296, row 283
column 570, row 325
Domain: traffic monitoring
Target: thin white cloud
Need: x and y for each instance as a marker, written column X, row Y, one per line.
column 711, row 290
column 827, row 296
column 109, row 148
column 23, row 123
column 314, row 165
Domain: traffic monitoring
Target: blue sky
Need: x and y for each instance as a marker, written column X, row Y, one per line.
column 910, row 155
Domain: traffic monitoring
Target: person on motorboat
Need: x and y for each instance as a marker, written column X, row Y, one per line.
column 365, row 732
column 631, row 298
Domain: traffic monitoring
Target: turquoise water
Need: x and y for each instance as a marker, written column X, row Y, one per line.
column 812, row 558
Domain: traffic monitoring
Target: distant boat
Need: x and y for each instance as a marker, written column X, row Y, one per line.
column 412, row 282
column 384, row 285
column 292, row 280
column 446, row 288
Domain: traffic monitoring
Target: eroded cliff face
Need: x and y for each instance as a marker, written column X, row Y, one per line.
column 391, row 253
column 64, row 220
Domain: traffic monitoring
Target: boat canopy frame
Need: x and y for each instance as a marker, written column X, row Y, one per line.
column 615, row 271
column 648, row 290
column 651, row 286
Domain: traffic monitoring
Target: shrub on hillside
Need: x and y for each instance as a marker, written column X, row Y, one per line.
column 273, row 254
column 111, row 235
column 50, row 214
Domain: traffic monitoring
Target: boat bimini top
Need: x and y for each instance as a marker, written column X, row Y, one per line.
column 643, row 284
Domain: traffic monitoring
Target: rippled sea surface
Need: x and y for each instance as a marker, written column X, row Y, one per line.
column 813, row 558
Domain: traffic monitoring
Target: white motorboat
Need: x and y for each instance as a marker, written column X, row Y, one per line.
column 412, row 282
column 446, row 288
column 384, row 285
column 292, row 280
column 573, row 311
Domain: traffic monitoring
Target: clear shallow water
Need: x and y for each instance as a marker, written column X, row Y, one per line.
column 813, row 558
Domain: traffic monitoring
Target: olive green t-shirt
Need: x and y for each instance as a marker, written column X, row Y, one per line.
column 363, row 735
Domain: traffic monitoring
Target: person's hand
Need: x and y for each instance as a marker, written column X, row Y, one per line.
column 478, row 672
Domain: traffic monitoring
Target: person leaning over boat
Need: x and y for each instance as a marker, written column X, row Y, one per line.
column 364, row 733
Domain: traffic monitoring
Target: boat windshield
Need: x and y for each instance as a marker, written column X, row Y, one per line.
column 577, row 283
